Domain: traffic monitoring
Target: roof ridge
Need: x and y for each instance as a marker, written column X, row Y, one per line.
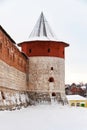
column 1, row 28
column 42, row 29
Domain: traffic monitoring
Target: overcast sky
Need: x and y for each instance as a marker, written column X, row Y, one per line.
column 68, row 20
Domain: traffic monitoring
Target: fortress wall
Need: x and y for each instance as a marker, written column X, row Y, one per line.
column 12, row 64
column 10, row 54
column 11, row 77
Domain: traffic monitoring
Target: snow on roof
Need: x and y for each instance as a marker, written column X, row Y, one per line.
column 75, row 97
column 41, row 38
column 42, row 30
column 83, row 87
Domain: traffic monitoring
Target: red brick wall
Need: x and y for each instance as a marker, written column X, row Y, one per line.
column 44, row 48
column 10, row 54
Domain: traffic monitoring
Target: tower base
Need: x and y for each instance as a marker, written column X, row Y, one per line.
column 12, row 99
column 45, row 97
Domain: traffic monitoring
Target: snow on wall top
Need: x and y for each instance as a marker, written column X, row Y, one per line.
column 75, row 97
column 42, row 30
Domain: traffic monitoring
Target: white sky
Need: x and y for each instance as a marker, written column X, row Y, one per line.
column 68, row 20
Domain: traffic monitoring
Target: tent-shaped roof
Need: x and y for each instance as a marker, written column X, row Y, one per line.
column 42, row 30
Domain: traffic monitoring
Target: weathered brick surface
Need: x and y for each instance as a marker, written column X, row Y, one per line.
column 10, row 54
column 11, row 77
column 40, row 73
column 44, row 48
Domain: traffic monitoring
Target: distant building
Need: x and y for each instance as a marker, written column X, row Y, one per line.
column 74, row 89
column 77, row 100
column 36, row 73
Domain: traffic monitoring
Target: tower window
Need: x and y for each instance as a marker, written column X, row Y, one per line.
column 8, row 51
column 3, row 97
column 0, row 46
column 51, row 79
column 51, row 68
column 30, row 50
column 53, row 94
column 48, row 49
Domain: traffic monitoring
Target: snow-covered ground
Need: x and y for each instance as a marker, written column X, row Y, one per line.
column 44, row 117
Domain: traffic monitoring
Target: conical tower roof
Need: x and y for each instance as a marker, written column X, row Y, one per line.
column 42, row 30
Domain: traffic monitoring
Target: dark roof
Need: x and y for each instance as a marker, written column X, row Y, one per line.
column 1, row 28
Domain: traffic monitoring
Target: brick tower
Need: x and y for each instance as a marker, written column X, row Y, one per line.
column 46, row 63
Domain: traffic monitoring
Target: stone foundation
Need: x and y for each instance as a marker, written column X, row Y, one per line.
column 11, row 99
column 44, row 97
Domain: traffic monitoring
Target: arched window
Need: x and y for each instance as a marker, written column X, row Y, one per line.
column 51, row 79
column 2, row 94
column 53, row 94
column 51, row 68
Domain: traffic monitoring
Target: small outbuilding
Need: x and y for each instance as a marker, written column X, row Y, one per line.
column 77, row 100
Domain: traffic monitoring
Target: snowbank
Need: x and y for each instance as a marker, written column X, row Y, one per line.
column 44, row 117
column 75, row 97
